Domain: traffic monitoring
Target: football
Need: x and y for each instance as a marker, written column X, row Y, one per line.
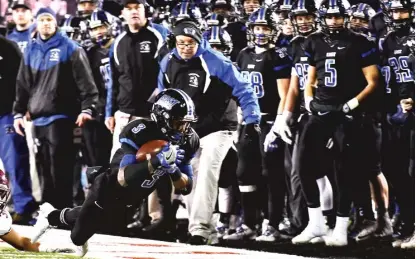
column 150, row 148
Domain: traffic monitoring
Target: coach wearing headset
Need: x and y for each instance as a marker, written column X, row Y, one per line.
column 212, row 82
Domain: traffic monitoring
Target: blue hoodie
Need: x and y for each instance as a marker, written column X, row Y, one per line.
column 211, row 80
column 54, row 81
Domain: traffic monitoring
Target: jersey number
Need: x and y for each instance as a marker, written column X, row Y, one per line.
column 256, row 80
column 330, row 73
column 401, row 69
column 302, row 71
column 155, row 176
column 105, row 71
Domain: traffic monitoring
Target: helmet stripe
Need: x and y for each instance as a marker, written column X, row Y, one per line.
column 184, row 7
column 262, row 12
column 189, row 103
column 216, row 32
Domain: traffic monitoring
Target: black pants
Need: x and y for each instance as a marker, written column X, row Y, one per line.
column 55, row 161
column 398, row 166
column 272, row 177
column 97, row 140
column 297, row 209
column 313, row 158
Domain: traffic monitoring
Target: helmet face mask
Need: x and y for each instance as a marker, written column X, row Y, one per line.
column 262, row 27
column 303, row 17
column 304, row 24
column 360, row 16
column 397, row 10
column 332, row 17
column 174, row 111
column 4, row 191
column 219, row 39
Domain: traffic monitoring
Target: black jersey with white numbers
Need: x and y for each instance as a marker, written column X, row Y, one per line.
column 262, row 71
column 396, row 69
column 339, row 65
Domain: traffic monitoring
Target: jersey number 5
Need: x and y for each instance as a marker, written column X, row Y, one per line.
column 256, row 80
column 330, row 73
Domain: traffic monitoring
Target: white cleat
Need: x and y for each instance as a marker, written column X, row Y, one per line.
column 81, row 250
column 307, row 235
column 42, row 223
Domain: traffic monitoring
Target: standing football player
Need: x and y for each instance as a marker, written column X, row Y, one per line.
column 343, row 66
column 399, row 129
column 268, row 70
column 128, row 181
column 294, row 118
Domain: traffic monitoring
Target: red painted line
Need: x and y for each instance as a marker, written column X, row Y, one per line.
column 172, row 252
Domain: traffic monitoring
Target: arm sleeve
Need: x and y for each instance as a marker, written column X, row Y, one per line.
column 22, row 90
column 112, row 90
column 309, row 52
column 241, row 89
column 369, row 54
column 85, row 81
column 282, row 66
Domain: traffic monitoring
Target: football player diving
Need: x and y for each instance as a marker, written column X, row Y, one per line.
column 128, row 181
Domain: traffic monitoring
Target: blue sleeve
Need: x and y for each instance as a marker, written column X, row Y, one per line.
column 160, row 79
column 128, row 159
column 187, row 169
column 109, row 98
column 242, row 89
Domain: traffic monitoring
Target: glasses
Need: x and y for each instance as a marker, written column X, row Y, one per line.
column 183, row 45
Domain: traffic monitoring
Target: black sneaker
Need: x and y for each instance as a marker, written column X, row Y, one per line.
column 197, row 240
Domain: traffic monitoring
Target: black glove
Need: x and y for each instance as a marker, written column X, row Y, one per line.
column 252, row 131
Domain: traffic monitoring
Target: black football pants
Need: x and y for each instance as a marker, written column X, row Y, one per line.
column 313, row 158
column 398, row 162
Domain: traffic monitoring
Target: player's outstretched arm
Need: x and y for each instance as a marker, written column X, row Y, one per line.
column 20, row 242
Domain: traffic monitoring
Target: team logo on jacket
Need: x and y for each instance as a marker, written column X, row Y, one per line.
column 145, row 47
column 54, row 56
column 22, row 45
column 193, row 79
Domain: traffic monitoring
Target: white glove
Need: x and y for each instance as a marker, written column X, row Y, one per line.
column 285, row 133
column 269, row 142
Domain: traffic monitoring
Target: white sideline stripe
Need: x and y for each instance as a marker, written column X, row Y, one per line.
column 105, row 246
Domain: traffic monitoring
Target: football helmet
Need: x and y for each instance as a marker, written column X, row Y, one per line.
column 174, row 111
column 98, row 19
column 361, row 11
column 81, row 12
column 215, row 20
column 330, row 8
column 401, row 24
column 303, row 7
column 186, row 10
column 265, row 17
column 219, row 39
column 4, row 191
column 282, row 9
column 245, row 13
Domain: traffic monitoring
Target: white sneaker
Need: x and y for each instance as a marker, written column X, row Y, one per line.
column 269, row 235
column 242, row 233
column 336, row 240
column 49, row 249
column 409, row 243
column 264, row 225
column 308, row 234
column 81, row 250
column 42, row 223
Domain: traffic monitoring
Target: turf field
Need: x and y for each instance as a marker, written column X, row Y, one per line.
column 106, row 247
